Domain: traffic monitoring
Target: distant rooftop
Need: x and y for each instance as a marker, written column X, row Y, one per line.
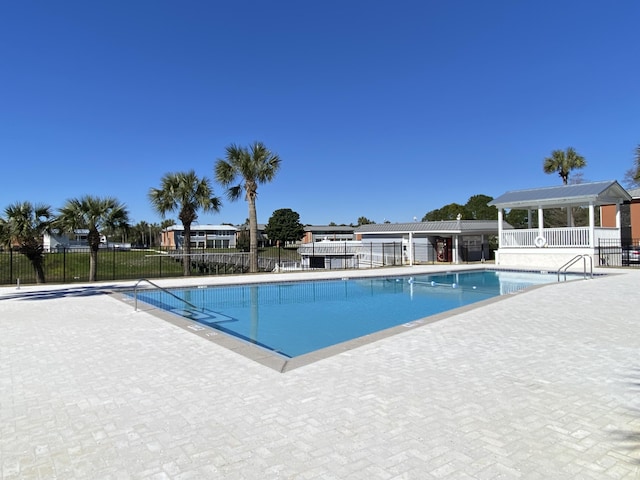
column 329, row 228
column 441, row 226
column 634, row 192
column 195, row 227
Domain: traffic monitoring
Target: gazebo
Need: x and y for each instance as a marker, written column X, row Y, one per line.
column 543, row 247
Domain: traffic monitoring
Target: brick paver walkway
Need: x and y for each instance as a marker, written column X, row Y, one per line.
column 542, row 385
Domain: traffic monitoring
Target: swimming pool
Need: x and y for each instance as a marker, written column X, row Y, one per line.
column 296, row 318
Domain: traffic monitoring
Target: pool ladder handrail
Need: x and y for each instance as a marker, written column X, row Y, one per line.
column 135, row 294
column 584, row 256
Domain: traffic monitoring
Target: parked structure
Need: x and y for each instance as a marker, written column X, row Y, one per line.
column 202, row 236
column 540, row 246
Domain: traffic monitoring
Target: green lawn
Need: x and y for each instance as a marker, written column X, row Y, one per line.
column 119, row 265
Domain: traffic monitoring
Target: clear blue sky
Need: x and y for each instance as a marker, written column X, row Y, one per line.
column 379, row 109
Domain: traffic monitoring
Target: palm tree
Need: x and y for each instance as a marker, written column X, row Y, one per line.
column 96, row 215
column 253, row 166
column 141, row 234
column 185, row 193
column 563, row 162
column 23, row 228
column 155, row 232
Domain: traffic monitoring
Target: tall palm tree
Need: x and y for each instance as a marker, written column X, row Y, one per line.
column 253, row 165
column 185, row 193
column 95, row 214
column 141, row 233
column 563, row 162
column 23, row 229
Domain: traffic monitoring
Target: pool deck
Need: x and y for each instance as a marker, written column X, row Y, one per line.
column 543, row 384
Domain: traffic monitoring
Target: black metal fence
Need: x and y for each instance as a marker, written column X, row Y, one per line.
column 72, row 265
column 613, row 254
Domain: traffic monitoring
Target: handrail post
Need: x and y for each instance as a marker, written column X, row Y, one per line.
column 565, row 267
column 135, row 294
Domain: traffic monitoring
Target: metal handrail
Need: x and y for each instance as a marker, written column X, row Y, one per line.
column 584, row 257
column 135, row 294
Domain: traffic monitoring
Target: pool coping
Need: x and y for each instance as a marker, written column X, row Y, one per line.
column 283, row 364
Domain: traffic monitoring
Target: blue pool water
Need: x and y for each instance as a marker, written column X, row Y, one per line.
column 294, row 318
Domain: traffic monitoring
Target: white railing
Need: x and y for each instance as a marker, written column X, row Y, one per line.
column 330, row 248
column 557, row 237
column 371, row 260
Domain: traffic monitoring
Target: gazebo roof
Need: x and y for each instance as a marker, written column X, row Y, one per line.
column 598, row 193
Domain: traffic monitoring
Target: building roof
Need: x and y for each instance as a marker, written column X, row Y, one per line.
column 197, row 227
column 634, row 192
column 437, row 227
column 599, row 193
column 329, row 228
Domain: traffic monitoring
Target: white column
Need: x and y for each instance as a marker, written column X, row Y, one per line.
column 410, row 248
column 618, row 218
column 455, row 250
column 529, row 218
column 500, row 216
column 540, row 221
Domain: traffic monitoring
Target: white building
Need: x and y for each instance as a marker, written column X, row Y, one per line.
column 447, row 241
column 76, row 241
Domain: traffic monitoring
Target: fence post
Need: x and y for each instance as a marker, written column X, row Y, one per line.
column 344, row 263
column 371, row 255
column 10, row 265
column 64, row 265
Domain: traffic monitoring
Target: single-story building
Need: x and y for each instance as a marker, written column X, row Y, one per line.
column 76, row 241
column 449, row 241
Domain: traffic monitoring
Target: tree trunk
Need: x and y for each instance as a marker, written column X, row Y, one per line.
column 186, row 248
column 93, row 263
column 94, row 244
column 253, row 235
column 34, row 252
column 38, row 268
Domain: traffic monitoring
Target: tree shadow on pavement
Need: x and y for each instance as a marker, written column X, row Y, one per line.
column 629, row 440
column 76, row 291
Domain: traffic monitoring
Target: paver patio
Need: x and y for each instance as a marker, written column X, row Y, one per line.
column 541, row 385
